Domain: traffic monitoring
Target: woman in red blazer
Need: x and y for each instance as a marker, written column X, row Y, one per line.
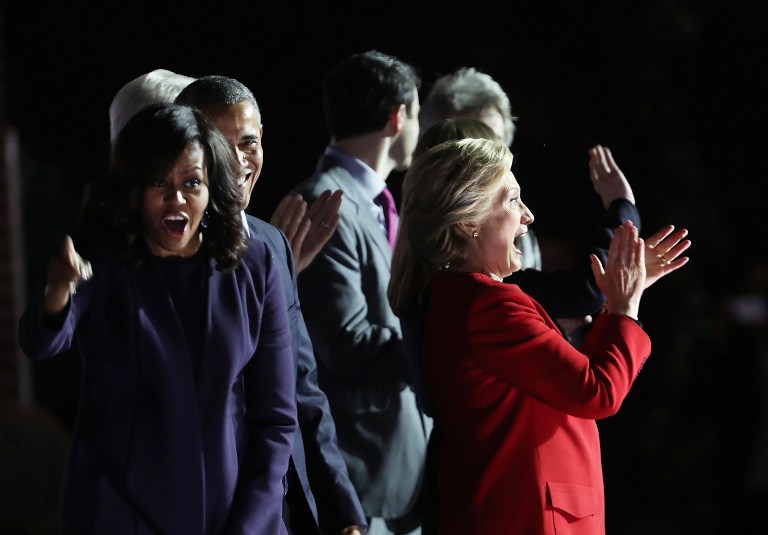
column 514, row 402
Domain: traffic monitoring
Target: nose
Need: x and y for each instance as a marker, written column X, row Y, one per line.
column 241, row 158
column 175, row 196
column 527, row 215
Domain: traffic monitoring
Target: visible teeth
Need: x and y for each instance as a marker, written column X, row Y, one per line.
column 175, row 222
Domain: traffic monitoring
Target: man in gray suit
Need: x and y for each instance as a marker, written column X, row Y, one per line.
column 371, row 106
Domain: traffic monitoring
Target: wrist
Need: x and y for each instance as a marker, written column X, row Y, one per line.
column 625, row 309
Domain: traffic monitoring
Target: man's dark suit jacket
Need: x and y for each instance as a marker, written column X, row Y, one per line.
column 316, row 463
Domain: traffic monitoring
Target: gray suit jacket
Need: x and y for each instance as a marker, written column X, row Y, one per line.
column 362, row 361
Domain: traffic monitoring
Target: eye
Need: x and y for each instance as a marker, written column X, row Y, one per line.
column 249, row 146
column 157, row 183
column 193, row 183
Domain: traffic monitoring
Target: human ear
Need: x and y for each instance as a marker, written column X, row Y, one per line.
column 468, row 230
column 397, row 119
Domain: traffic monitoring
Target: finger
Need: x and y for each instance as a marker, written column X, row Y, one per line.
column 593, row 162
column 628, row 243
column 332, row 222
column 68, row 253
column 672, row 246
column 82, row 267
column 678, row 249
column 324, row 212
column 279, row 214
column 318, row 204
column 635, row 246
column 330, row 209
column 597, row 270
column 86, row 270
column 673, row 239
column 595, row 168
column 656, row 238
column 291, row 215
column 677, row 263
column 297, row 241
column 609, row 161
column 602, row 160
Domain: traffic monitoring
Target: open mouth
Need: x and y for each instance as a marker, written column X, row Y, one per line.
column 175, row 224
column 242, row 180
column 516, row 243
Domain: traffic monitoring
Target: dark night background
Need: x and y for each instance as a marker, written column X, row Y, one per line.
column 674, row 88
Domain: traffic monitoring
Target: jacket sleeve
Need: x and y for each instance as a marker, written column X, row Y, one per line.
column 573, row 293
column 516, row 341
column 270, row 409
column 337, row 502
column 40, row 336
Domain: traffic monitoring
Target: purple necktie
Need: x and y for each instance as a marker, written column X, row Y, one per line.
column 387, row 203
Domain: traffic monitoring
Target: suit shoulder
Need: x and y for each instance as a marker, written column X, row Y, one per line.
column 276, row 241
column 333, row 178
column 273, row 236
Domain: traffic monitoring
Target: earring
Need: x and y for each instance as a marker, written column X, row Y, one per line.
column 206, row 220
column 474, row 234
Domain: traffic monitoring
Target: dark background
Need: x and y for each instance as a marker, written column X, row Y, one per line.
column 674, row 88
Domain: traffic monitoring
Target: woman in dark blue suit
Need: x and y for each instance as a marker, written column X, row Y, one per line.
column 188, row 408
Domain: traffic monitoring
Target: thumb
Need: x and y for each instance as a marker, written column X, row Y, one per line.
column 68, row 251
column 597, row 270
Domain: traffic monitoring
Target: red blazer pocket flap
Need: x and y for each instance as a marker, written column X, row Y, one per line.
column 577, row 501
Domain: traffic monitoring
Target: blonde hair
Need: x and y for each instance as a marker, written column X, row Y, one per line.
column 450, row 183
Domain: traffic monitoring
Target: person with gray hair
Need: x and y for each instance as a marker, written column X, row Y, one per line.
column 159, row 85
column 307, row 227
column 469, row 94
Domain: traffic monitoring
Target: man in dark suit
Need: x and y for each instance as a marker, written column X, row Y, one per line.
column 371, row 106
column 321, row 498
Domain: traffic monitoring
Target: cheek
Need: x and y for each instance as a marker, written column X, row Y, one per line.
column 150, row 203
column 203, row 199
column 257, row 159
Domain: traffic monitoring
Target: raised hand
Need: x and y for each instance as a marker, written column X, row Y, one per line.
column 65, row 273
column 308, row 228
column 662, row 253
column 607, row 179
column 623, row 278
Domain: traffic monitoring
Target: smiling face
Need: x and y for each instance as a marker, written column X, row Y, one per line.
column 173, row 206
column 493, row 250
column 241, row 125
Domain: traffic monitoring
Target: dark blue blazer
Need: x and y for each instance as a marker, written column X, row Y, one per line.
column 169, row 440
column 326, row 489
